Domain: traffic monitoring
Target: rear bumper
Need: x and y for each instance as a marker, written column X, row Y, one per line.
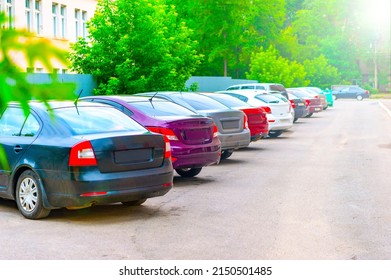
column 281, row 123
column 301, row 112
column 66, row 189
column 235, row 140
column 316, row 108
column 195, row 157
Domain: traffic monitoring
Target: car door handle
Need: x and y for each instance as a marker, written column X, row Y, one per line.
column 18, row 149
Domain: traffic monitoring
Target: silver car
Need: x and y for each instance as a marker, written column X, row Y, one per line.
column 232, row 126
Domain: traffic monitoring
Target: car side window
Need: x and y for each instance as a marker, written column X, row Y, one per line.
column 248, row 87
column 233, row 88
column 30, row 127
column 11, row 122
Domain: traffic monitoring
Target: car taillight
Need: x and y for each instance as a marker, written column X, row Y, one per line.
column 167, row 147
column 293, row 104
column 267, row 109
column 82, row 154
column 245, row 122
column 367, row 92
column 307, row 102
column 215, row 131
column 165, row 131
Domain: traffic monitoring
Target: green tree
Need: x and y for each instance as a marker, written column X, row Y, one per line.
column 321, row 73
column 14, row 85
column 268, row 66
column 136, row 46
column 229, row 31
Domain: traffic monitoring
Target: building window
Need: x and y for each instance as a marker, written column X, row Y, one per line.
column 63, row 10
column 55, row 19
column 10, row 12
column 37, row 16
column 84, row 24
column 29, row 18
column 77, row 30
column 80, row 23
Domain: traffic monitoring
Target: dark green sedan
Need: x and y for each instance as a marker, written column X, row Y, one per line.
column 75, row 156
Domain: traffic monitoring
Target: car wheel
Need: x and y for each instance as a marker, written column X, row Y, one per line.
column 29, row 196
column 334, row 97
column 359, row 97
column 275, row 133
column 188, row 172
column 226, row 154
column 309, row 115
column 134, row 202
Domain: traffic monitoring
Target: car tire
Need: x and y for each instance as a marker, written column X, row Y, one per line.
column 134, row 202
column 359, row 97
column 275, row 133
column 28, row 195
column 334, row 97
column 188, row 172
column 309, row 115
column 226, row 154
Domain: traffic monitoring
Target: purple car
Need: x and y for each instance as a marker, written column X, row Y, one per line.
column 193, row 138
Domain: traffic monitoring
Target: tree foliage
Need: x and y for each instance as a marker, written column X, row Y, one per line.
column 14, row 85
column 267, row 66
column 136, row 46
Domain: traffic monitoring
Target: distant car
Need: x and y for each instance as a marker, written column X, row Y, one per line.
column 231, row 124
column 326, row 93
column 315, row 93
column 76, row 156
column 349, row 91
column 256, row 116
column 259, row 87
column 314, row 103
column 299, row 106
column 281, row 117
column 193, row 138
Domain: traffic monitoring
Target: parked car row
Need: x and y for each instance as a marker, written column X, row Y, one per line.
column 125, row 148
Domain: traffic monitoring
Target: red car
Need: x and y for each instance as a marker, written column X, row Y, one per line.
column 256, row 116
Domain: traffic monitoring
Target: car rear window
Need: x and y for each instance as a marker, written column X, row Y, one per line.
column 90, row 120
column 200, row 102
column 229, row 101
column 162, row 108
column 268, row 98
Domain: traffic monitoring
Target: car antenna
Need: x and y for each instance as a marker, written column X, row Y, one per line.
column 150, row 99
column 77, row 99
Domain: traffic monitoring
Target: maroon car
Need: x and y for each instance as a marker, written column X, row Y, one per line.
column 193, row 138
column 314, row 103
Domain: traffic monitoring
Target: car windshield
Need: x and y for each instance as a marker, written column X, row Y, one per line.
column 90, row 120
column 162, row 108
column 200, row 102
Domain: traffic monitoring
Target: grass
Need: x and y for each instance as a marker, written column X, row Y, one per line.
column 381, row 95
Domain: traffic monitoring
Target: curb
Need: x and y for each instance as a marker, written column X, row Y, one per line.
column 385, row 108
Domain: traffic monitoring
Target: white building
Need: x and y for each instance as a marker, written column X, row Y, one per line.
column 61, row 21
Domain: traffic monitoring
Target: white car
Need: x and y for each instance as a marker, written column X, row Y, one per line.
column 260, row 88
column 282, row 114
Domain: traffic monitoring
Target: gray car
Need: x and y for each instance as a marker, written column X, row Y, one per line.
column 232, row 128
column 349, row 91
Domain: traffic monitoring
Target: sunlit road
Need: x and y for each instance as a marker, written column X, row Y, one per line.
column 320, row 191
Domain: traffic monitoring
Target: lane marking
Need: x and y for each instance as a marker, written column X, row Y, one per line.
column 385, row 108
